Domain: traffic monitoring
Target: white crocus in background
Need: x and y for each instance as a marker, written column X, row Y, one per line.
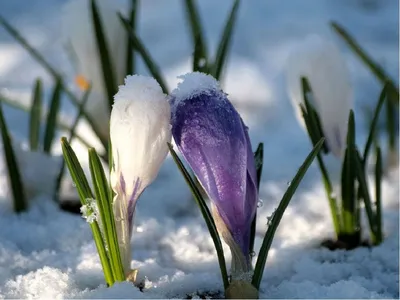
column 139, row 130
column 80, row 41
column 320, row 61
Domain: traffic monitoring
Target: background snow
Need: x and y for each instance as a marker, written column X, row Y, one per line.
column 47, row 253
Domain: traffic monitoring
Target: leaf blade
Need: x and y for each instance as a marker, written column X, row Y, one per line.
column 35, row 116
column 225, row 42
column 206, row 215
column 14, row 175
column 51, row 120
column 266, row 244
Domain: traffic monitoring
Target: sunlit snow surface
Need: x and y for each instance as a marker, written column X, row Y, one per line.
column 50, row 254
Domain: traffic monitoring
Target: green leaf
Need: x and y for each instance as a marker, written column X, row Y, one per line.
column 374, row 122
column 315, row 131
column 362, row 180
column 259, row 159
column 104, row 55
column 199, row 63
column 85, row 193
column 14, row 175
column 71, row 136
column 375, row 68
column 51, row 121
column 200, row 57
column 349, row 198
column 56, row 75
column 130, row 54
column 35, row 116
column 391, row 127
column 101, row 188
column 266, row 244
column 312, row 119
column 206, row 215
column 378, row 196
column 224, row 43
column 144, row 53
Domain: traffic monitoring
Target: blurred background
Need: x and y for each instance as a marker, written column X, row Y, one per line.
column 254, row 78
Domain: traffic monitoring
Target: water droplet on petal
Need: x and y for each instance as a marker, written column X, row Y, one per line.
column 252, row 253
column 260, row 203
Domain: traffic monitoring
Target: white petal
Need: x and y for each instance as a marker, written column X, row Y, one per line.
column 140, row 129
column 322, row 63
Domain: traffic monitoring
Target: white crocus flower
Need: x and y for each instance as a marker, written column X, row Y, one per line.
column 139, row 130
column 321, row 62
column 80, row 41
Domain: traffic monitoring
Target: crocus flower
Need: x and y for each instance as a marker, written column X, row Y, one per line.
column 80, row 41
column 211, row 136
column 139, row 130
column 321, row 62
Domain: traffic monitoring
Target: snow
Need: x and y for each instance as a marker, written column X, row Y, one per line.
column 192, row 85
column 46, row 253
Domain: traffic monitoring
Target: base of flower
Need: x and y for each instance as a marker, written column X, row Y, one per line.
column 344, row 243
column 240, row 289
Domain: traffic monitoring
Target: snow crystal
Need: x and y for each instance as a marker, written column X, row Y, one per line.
column 193, row 84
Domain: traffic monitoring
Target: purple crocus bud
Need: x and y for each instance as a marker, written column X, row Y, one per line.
column 213, row 139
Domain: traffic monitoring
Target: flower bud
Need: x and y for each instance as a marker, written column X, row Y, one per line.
column 80, row 42
column 211, row 136
column 322, row 64
column 139, row 130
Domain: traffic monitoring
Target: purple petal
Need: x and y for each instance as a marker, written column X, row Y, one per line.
column 211, row 136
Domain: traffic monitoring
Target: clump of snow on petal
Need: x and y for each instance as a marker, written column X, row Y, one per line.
column 139, row 88
column 192, row 85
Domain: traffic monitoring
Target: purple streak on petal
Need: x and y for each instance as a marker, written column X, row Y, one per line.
column 132, row 203
column 211, row 136
column 122, row 184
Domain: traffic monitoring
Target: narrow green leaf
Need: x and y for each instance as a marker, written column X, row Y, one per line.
column 312, row 118
column 378, row 195
column 375, row 68
column 71, row 136
column 144, row 53
column 85, row 193
column 314, row 133
column 101, row 188
column 56, row 75
column 200, row 57
column 104, row 54
column 206, row 215
column 348, row 180
column 35, row 116
column 199, row 63
column 51, row 121
column 362, row 180
column 266, row 244
column 14, row 175
column 374, row 123
column 259, row 160
column 130, row 54
column 391, row 126
column 226, row 37
column 76, row 171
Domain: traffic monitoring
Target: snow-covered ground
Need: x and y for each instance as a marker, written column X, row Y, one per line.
column 50, row 254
